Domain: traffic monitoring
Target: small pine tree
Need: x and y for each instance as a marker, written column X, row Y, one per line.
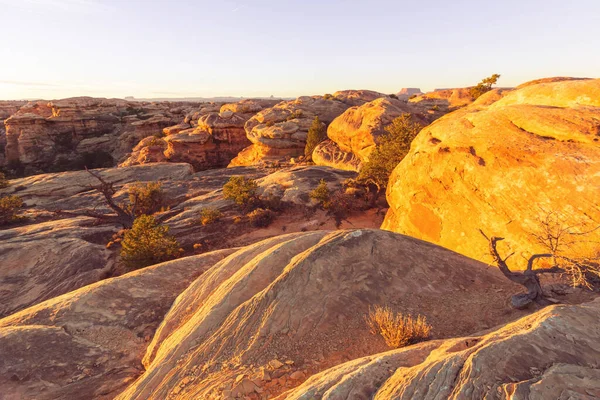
column 3, row 181
column 321, row 194
column 8, row 209
column 242, row 191
column 148, row 243
column 484, row 86
column 391, row 148
column 316, row 134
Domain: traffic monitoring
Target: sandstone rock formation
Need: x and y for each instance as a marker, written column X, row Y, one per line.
column 499, row 165
column 88, row 344
column 7, row 108
column 280, row 132
column 302, row 298
column 445, row 98
column 551, row 354
column 355, row 132
column 211, row 142
column 407, row 93
column 96, row 132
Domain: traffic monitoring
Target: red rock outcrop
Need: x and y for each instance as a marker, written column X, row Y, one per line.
column 215, row 139
column 500, row 165
column 280, row 132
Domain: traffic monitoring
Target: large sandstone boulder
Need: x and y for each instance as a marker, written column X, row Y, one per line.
column 353, row 135
column 302, row 298
column 280, row 132
column 69, row 133
column 501, row 165
column 552, row 354
column 212, row 142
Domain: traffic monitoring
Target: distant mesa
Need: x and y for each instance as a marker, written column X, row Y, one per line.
column 406, row 93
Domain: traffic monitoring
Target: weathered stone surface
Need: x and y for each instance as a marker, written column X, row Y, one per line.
column 445, row 98
column 88, row 344
column 45, row 260
column 328, row 153
column 499, row 165
column 305, row 296
column 280, row 131
column 552, row 354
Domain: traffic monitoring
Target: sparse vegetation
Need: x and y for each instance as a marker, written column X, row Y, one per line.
column 568, row 252
column 261, row 217
column 146, row 198
column 328, row 96
column 148, row 243
column 3, row 181
column 294, row 115
column 242, row 191
column 484, row 86
column 391, row 148
column 397, row 330
column 210, row 215
column 316, row 134
column 393, row 96
column 9, row 205
column 321, row 193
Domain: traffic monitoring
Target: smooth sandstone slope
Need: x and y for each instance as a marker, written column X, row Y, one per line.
column 88, row 344
column 500, row 165
column 552, row 354
column 302, row 299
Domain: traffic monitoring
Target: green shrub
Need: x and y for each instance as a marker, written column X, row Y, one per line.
column 209, row 215
column 321, row 194
column 391, row 148
column 147, row 198
column 484, row 86
column 9, row 205
column 3, row 181
column 316, row 134
column 261, row 217
column 148, row 243
column 242, row 191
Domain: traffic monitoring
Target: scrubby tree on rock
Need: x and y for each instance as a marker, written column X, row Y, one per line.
column 316, row 134
column 564, row 251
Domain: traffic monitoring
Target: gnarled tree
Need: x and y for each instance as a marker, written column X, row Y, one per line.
column 563, row 245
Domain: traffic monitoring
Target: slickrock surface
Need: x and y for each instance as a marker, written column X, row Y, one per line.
column 45, row 260
column 280, row 131
column 82, row 130
column 300, row 299
column 88, row 344
column 552, row 354
column 212, row 142
column 500, row 165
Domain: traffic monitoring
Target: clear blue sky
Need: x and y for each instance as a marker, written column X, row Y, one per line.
column 159, row 48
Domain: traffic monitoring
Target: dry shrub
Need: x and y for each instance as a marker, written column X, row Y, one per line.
column 3, row 181
column 242, row 191
column 397, row 330
column 9, row 206
column 209, row 215
column 261, row 218
column 146, row 199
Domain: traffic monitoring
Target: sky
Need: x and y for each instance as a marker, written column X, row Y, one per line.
column 184, row 48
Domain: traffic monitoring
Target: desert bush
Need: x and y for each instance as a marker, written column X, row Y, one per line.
column 272, row 202
column 340, row 206
column 484, row 86
column 3, row 181
column 209, row 215
column 147, row 198
column 261, row 217
column 328, row 96
column 414, row 96
column 397, row 330
column 393, row 96
column 391, row 148
column 316, row 134
column 242, row 191
column 9, row 206
column 321, row 194
column 148, row 243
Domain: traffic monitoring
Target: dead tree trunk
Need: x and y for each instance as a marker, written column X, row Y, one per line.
column 528, row 278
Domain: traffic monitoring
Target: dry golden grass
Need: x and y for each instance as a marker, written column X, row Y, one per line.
column 397, row 330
